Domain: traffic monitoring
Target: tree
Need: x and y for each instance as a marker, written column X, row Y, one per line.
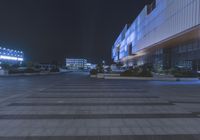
column 100, row 68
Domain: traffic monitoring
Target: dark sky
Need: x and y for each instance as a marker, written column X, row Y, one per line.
column 49, row 30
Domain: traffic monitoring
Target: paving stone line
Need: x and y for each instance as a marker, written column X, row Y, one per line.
column 95, row 116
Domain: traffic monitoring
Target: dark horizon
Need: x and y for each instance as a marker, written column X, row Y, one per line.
column 51, row 30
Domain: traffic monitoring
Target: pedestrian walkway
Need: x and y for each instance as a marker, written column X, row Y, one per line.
column 76, row 107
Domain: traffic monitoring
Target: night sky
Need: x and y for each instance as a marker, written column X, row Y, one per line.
column 51, row 30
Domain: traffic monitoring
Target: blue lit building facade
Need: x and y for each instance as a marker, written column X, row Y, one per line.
column 10, row 56
column 165, row 34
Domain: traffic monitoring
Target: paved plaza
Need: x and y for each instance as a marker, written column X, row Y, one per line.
column 75, row 107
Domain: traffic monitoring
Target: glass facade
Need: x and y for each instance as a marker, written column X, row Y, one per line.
column 184, row 55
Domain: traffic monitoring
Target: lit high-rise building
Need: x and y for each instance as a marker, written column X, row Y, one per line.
column 10, row 56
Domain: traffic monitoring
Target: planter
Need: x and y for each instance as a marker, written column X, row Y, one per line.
column 187, row 79
column 100, row 75
column 3, row 72
column 93, row 76
column 128, row 78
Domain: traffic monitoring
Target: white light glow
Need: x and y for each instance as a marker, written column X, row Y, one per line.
column 10, row 58
column 20, row 59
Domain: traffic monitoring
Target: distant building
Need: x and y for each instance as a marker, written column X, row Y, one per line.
column 76, row 64
column 165, row 35
column 10, row 56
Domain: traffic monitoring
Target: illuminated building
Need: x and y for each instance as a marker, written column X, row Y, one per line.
column 166, row 34
column 10, row 56
column 76, row 64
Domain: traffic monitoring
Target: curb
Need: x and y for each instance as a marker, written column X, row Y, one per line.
column 151, row 79
column 129, row 78
column 31, row 74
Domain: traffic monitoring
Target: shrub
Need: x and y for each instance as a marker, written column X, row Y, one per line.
column 185, row 74
column 14, row 71
column 28, row 70
column 138, row 72
column 145, row 73
column 177, row 72
column 93, row 72
column 55, row 70
column 127, row 73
